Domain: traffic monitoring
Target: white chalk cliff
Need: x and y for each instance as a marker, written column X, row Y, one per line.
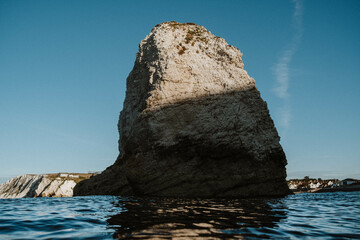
column 36, row 186
column 193, row 123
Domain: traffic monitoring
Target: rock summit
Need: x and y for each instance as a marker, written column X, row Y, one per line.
column 193, row 124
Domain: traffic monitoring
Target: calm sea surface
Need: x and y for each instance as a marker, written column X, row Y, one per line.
column 300, row 216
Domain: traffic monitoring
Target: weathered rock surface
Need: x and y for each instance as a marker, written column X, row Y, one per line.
column 36, row 186
column 193, row 123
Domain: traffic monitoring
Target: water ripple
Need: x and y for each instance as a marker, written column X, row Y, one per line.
column 300, row 216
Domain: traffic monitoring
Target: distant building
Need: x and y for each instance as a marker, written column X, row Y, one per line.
column 74, row 176
column 292, row 186
column 348, row 181
column 63, row 174
column 314, row 185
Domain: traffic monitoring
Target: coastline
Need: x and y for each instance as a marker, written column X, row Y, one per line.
column 349, row 188
column 42, row 185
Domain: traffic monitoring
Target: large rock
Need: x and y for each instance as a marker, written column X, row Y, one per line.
column 193, row 123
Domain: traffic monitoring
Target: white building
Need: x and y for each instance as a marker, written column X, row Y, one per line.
column 315, row 185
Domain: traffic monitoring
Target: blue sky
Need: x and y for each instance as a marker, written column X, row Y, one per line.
column 63, row 66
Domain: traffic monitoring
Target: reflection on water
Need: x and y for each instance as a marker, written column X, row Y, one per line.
column 195, row 217
column 300, row 216
column 305, row 216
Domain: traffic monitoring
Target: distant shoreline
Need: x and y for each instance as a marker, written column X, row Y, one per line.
column 350, row 188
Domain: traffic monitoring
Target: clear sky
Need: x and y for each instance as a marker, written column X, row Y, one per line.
column 63, row 66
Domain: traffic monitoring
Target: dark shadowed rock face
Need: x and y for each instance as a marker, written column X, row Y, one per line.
column 193, row 124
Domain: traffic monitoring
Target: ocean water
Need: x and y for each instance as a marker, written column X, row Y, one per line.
column 300, row 216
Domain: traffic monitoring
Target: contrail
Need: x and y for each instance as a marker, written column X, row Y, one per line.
column 281, row 69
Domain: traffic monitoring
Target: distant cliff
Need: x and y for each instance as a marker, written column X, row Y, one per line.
column 193, row 124
column 37, row 186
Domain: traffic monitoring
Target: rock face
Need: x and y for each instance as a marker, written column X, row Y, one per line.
column 193, row 123
column 36, row 186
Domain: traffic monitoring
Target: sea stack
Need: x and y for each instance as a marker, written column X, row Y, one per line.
column 193, row 124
